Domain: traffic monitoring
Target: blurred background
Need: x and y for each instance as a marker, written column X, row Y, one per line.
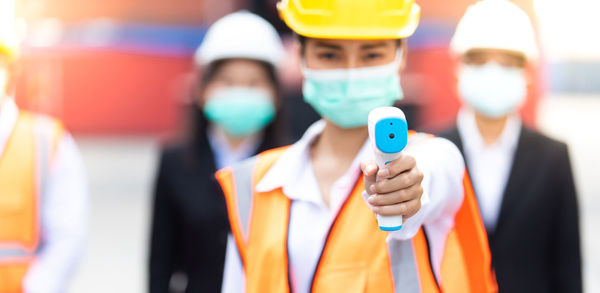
column 119, row 73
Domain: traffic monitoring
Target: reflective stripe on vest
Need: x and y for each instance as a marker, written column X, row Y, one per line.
column 356, row 257
column 24, row 163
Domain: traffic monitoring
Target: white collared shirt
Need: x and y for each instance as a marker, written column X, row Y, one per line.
column 64, row 212
column 224, row 154
column 438, row 159
column 489, row 165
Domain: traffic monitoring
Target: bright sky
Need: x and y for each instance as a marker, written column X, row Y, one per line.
column 569, row 29
column 7, row 16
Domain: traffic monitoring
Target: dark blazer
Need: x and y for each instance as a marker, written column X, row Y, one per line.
column 535, row 246
column 189, row 223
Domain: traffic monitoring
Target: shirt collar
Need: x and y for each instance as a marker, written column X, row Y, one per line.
column 291, row 169
column 224, row 154
column 472, row 139
column 8, row 118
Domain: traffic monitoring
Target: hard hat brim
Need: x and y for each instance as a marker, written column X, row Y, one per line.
column 402, row 29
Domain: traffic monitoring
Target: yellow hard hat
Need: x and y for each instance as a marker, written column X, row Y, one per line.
column 351, row 19
column 7, row 50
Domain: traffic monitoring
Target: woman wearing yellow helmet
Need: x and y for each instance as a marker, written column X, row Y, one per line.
column 302, row 217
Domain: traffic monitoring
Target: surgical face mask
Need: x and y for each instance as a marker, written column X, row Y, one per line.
column 491, row 89
column 240, row 111
column 346, row 96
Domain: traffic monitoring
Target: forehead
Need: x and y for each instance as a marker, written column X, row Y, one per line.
column 493, row 54
column 238, row 64
column 349, row 45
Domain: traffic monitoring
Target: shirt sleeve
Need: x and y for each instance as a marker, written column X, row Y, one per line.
column 443, row 169
column 63, row 222
column 233, row 276
column 443, row 193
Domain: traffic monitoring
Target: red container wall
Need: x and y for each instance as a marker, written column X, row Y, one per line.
column 105, row 92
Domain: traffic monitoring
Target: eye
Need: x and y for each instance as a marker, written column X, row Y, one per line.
column 329, row 56
column 373, row 56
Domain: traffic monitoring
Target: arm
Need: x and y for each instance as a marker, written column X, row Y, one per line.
column 567, row 264
column 233, row 276
column 443, row 170
column 63, row 222
column 161, row 259
column 432, row 169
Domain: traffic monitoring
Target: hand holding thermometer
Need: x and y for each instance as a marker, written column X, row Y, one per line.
column 388, row 133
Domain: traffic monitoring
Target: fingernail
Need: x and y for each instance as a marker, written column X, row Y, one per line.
column 370, row 167
column 371, row 199
column 372, row 188
column 384, row 173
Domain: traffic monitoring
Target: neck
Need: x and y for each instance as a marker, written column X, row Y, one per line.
column 490, row 128
column 341, row 143
column 235, row 142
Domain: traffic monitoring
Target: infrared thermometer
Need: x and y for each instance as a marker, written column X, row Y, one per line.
column 388, row 133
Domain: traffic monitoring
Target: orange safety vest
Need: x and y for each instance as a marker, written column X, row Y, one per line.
column 24, row 165
column 356, row 256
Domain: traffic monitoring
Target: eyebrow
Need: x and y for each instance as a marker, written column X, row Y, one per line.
column 373, row 46
column 328, row 46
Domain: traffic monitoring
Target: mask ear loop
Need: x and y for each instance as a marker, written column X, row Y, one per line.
column 398, row 58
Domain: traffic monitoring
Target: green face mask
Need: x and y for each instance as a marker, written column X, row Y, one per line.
column 240, row 111
column 346, row 96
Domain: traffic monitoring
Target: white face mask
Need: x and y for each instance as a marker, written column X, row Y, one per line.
column 492, row 90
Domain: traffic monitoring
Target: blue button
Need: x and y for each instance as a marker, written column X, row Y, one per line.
column 391, row 135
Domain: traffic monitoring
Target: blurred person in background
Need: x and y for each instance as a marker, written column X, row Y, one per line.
column 303, row 217
column 43, row 195
column 522, row 179
column 236, row 114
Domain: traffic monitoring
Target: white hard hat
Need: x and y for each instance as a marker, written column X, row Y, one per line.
column 495, row 24
column 241, row 35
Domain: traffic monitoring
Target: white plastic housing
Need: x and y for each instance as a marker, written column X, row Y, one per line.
column 392, row 223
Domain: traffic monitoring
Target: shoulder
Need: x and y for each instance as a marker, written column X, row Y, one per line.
column 175, row 157
column 272, row 154
column 266, row 159
column 536, row 142
column 451, row 134
column 45, row 125
column 172, row 151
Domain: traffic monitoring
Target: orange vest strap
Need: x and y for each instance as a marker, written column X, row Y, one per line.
column 466, row 266
column 12, row 272
column 238, row 183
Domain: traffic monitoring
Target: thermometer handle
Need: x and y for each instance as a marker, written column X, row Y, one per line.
column 388, row 133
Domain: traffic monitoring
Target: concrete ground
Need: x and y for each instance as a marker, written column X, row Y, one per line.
column 121, row 173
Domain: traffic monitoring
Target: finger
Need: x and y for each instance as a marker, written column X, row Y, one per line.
column 369, row 169
column 405, row 209
column 402, row 181
column 396, row 167
column 414, row 212
column 408, row 194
